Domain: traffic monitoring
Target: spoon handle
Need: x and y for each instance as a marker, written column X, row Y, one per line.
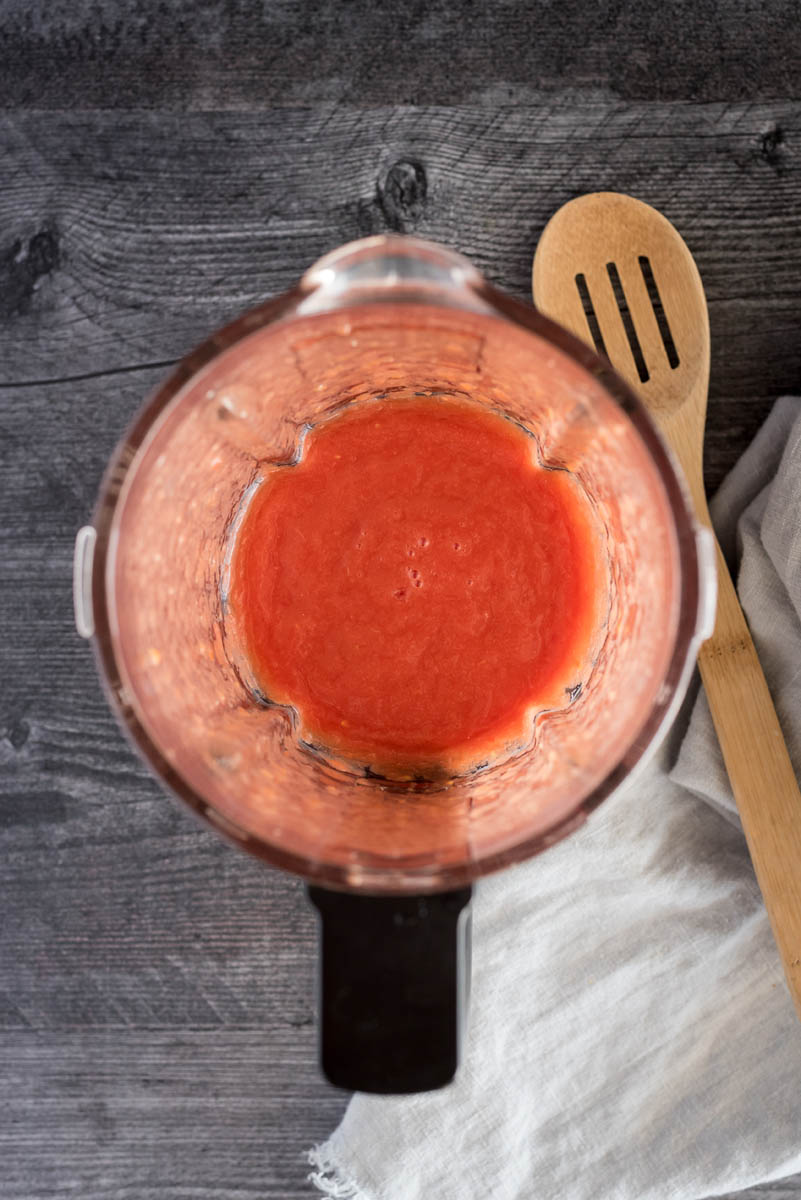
column 759, row 767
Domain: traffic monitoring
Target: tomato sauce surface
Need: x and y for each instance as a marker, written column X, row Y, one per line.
column 418, row 585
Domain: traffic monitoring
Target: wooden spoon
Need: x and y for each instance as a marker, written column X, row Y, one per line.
column 616, row 273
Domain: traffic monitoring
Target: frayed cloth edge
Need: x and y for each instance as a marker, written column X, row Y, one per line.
column 328, row 1176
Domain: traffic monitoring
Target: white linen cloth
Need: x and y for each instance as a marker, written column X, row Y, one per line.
column 630, row 1033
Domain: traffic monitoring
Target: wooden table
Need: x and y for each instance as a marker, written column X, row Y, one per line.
column 165, row 167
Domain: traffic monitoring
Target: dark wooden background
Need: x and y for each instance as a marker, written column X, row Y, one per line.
column 165, row 165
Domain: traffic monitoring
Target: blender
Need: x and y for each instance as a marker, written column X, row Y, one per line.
column 389, row 862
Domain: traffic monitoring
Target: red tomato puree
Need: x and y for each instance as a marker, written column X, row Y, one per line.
column 417, row 587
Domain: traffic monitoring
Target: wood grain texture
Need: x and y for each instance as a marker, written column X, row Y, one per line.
column 156, row 986
column 243, row 53
column 185, row 1114
column 127, row 237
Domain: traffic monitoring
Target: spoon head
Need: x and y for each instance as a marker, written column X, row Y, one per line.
column 616, row 273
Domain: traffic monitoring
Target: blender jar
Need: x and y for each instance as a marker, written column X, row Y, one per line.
column 389, row 861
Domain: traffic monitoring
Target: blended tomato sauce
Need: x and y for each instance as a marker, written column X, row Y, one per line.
column 417, row 586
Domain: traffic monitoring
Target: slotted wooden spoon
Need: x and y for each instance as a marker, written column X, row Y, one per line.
column 616, row 273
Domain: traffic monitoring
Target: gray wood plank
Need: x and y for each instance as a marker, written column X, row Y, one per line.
column 782, row 1189
column 128, row 1116
column 240, row 53
column 127, row 237
column 786, row 1189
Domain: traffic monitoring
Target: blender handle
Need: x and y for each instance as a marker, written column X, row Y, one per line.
column 394, row 985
